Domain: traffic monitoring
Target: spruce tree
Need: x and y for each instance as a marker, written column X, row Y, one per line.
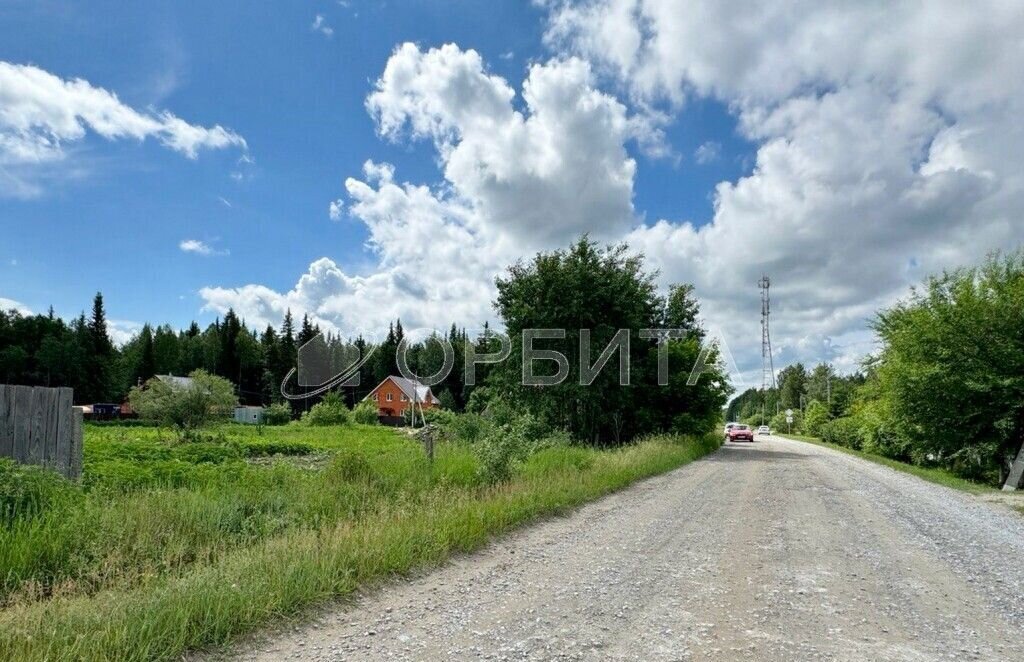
column 100, row 349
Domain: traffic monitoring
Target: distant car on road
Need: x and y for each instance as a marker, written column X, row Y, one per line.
column 740, row 432
column 764, row 429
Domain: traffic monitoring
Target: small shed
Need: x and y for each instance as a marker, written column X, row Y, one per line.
column 249, row 415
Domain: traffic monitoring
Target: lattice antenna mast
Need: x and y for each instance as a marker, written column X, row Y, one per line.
column 767, row 363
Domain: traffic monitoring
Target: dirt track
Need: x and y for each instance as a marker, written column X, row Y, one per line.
column 775, row 550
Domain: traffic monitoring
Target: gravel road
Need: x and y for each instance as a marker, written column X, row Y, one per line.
column 776, row 550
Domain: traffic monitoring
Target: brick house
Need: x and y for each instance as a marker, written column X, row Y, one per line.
column 395, row 394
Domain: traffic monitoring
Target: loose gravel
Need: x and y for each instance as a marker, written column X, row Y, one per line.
column 776, row 550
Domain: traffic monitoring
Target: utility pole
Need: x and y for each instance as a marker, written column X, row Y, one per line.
column 767, row 362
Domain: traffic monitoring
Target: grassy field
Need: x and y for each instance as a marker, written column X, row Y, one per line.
column 932, row 475
column 170, row 546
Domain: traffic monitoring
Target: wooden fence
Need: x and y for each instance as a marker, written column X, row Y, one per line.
column 39, row 426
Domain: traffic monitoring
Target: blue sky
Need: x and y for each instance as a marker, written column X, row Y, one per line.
column 457, row 137
column 113, row 213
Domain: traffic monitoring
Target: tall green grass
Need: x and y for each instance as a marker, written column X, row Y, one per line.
column 149, row 572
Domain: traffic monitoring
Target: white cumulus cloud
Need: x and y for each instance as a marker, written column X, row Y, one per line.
column 889, row 147
column 41, row 113
column 515, row 181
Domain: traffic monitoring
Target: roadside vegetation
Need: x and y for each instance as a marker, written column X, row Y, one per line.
column 170, row 545
column 944, row 392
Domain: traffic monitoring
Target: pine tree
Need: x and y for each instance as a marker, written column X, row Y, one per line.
column 308, row 332
column 147, row 359
column 229, row 365
column 289, row 357
column 99, row 364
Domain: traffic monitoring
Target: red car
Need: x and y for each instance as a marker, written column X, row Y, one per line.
column 740, row 433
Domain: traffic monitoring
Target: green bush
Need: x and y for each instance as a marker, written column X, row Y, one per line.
column 185, row 408
column 277, row 414
column 881, row 435
column 815, row 416
column 329, row 411
column 365, row 413
column 779, row 424
column 505, row 445
column 468, row 427
column 442, row 418
column 479, row 399
column 122, row 423
column 843, row 431
column 27, row 491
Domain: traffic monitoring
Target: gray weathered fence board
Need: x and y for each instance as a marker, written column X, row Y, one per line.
column 22, row 421
column 40, row 426
column 75, row 471
column 50, row 429
column 62, row 447
column 6, row 421
column 37, row 427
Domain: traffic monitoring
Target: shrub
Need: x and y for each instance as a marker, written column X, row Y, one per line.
column 185, row 408
column 468, row 427
column 779, row 424
column 277, row 414
column 843, row 431
column 880, row 435
column 442, row 418
column 815, row 417
column 479, row 399
column 365, row 413
column 329, row 411
column 27, row 491
column 505, row 445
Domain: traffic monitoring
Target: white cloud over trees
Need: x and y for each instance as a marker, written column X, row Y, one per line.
column 888, row 147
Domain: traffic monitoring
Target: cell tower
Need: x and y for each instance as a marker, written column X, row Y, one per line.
column 767, row 365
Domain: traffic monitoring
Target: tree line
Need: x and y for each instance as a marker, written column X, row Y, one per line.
column 819, row 391
column 45, row 350
column 591, row 292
